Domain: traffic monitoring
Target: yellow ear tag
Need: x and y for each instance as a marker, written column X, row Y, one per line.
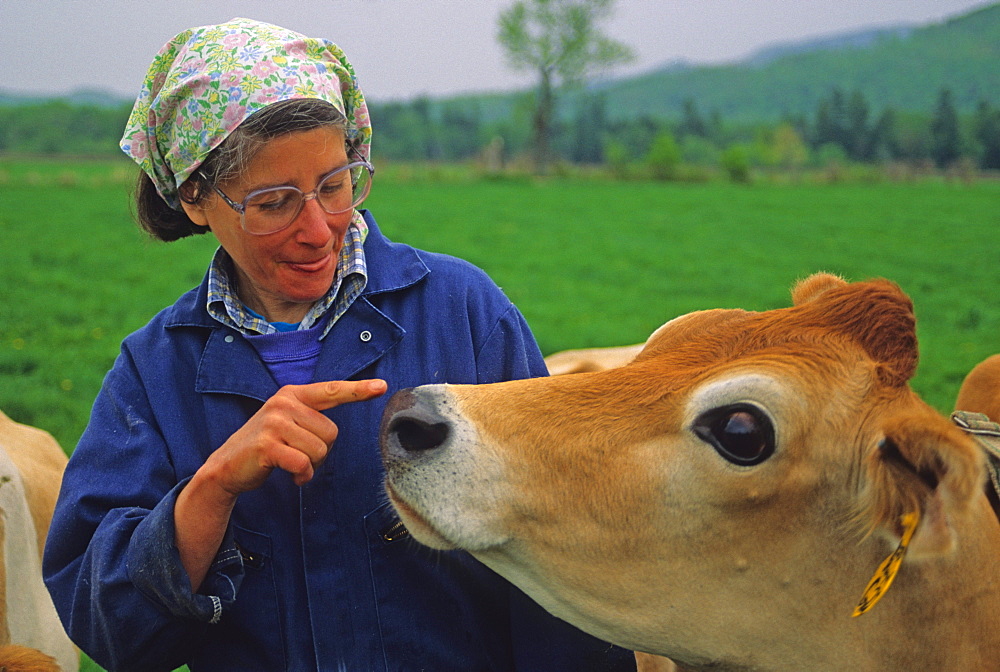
column 887, row 571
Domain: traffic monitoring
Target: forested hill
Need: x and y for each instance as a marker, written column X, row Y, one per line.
column 900, row 68
column 879, row 95
column 904, row 70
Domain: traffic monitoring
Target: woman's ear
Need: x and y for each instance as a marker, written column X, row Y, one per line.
column 194, row 210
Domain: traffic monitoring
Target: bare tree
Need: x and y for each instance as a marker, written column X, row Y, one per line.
column 561, row 42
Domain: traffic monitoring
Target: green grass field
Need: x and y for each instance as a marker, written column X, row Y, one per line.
column 590, row 262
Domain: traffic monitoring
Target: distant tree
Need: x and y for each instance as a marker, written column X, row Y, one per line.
column 664, row 157
column 857, row 133
column 429, row 136
column 911, row 133
column 699, row 151
column 987, row 132
column 617, row 158
column 831, row 121
column 787, row 148
column 515, row 126
column 692, row 122
column 845, row 121
column 402, row 131
column 589, row 129
column 735, row 160
column 799, row 123
column 830, row 155
column 58, row 127
column 461, row 125
column 716, row 128
column 560, row 41
column 945, row 137
column 636, row 135
column 884, row 137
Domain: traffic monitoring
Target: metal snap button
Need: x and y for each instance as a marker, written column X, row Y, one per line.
column 366, row 336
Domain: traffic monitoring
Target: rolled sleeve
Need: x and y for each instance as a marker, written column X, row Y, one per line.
column 154, row 566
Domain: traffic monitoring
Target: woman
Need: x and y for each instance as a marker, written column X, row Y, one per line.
column 224, row 506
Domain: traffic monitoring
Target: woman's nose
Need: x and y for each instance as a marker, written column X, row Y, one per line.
column 312, row 223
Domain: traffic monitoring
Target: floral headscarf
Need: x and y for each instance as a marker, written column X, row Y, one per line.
column 207, row 80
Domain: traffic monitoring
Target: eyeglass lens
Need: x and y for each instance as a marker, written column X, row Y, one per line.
column 273, row 209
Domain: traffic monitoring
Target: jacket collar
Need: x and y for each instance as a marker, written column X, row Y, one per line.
column 230, row 365
column 391, row 267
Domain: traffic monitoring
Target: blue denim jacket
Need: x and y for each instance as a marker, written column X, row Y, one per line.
column 308, row 578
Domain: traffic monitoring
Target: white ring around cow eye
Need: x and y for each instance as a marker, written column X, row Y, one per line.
column 366, row 336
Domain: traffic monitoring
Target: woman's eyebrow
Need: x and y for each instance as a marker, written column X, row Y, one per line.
column 276, row 185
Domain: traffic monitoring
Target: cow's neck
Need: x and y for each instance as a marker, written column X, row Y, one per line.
column 953, row 600
column 939, row 614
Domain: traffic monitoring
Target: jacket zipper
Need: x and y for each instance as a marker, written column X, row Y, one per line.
column 395, row 531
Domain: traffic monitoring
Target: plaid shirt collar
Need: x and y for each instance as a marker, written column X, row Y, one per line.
column 348, row 283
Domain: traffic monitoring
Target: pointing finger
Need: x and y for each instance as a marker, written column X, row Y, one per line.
column 327, row 394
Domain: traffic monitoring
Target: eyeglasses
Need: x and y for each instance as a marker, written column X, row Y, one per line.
column 274, row 209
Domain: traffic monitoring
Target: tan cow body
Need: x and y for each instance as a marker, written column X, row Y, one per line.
column 723, row 499
column 589, row 360
column 31, row 467
column 980, row 391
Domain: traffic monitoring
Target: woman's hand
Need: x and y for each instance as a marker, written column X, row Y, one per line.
column 289, row 432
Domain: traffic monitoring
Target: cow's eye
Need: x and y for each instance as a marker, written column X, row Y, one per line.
column 741, row 433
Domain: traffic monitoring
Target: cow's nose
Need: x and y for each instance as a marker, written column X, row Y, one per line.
column 411, row 424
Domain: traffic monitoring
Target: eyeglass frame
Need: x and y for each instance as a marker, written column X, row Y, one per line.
column 241, row 208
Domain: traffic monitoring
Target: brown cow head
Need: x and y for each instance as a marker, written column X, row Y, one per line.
column 707, row 492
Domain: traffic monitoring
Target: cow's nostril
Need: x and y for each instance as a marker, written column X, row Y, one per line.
column 416, row 435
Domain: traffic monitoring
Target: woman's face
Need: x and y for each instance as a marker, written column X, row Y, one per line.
column 280, row 275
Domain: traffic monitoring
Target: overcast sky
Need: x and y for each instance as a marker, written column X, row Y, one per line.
column 405, row 48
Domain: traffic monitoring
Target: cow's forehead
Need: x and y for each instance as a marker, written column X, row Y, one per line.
column 707, row 338
column 874, row 316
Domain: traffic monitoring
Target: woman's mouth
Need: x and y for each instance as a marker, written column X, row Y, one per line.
column 312, row 266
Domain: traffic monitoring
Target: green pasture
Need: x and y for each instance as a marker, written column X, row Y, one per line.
column 590, row 261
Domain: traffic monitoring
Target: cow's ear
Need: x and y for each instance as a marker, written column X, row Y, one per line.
column 809, row 288
column 879, row 317
column 923, row 464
